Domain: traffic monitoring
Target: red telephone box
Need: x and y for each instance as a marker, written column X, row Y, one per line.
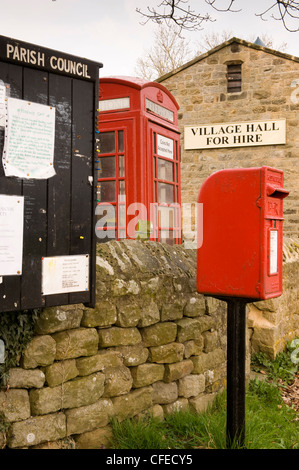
column 241, row 252
column 138, row 187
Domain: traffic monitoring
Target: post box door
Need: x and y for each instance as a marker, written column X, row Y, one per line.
column 272, row 193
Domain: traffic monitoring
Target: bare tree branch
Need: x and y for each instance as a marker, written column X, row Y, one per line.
column 180, row 13
column 175, row 11
column 286, row 10
column 213, row 3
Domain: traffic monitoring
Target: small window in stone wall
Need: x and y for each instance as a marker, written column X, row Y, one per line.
column 234, row 78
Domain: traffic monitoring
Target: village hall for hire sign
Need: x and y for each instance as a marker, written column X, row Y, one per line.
column 236, row 134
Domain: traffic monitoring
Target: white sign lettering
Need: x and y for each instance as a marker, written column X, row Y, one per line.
column 29, row 56
column 113, row 104
column 164, row 146
column 242, row 134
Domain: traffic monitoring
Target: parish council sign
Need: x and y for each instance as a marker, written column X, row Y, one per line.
column 241, row 134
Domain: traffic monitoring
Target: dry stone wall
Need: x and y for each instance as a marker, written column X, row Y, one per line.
column 151, row 345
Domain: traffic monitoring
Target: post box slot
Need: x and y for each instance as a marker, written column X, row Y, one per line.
column 279, row 193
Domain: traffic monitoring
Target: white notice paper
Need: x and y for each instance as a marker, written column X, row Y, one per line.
column 63, row 274
column 2, row 104
column 29, row 140
column 11, row 234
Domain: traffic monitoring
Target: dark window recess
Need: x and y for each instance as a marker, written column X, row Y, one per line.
column 234, row 78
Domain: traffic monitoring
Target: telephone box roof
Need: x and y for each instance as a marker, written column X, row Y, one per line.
column 137, row 83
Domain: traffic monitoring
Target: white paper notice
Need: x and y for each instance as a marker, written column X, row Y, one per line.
column 2, row 105
column 29, row 140
column 11, row 234
column 63, row 274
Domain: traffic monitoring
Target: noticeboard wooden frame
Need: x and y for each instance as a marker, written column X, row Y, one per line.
column 58, row 211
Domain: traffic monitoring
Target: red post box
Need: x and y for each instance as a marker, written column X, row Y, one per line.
column 138, row 161
column 241, row 252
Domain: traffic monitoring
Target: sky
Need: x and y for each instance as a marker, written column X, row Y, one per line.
column 110, row 31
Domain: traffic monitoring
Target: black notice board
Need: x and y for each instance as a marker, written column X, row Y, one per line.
column 58, row 221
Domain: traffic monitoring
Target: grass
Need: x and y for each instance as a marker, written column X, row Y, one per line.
column 269, row 423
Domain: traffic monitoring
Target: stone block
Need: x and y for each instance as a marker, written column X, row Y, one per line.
column 208, row 361
column 128, row 312
column 87, row 418
column 202, row 403
column 116, row 336
column 158, row 334
column 164, row 393
column 195, row 307
column 104, row 314
column 166, row 353
column 38, row 429
column 191, row 385
column 53, row 319
column 118, row 381
column 181, row 404
column 61, row 372
column 193, row 347
column 25, row 378
column 78, row 392
column 150, row 313
column 210, row 341
column 40, row 351
column 120, row 287
column 146, row 374
column 15, row 405
column 192, row 328
column 172, row 309
column 100, row 361
column 97, row 439
column 75, row 343
column 133, row 355
column 156, row 411
column 127, row 406
column 177, row 370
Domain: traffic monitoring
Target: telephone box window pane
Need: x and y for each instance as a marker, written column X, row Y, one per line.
column 122, row 216
column 165, row 192
column 121, row 143
column 107, row 191
column 166, row 217
column 108, row 216
column 165, row 170
column 107, row 140
column 106, row 167
column 121, row 166
column 121, row 191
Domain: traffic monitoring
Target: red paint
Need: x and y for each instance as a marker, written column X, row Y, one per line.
column 242, row 213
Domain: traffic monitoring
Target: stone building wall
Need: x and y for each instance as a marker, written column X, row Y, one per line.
column 270, row 85
column 152, row 344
